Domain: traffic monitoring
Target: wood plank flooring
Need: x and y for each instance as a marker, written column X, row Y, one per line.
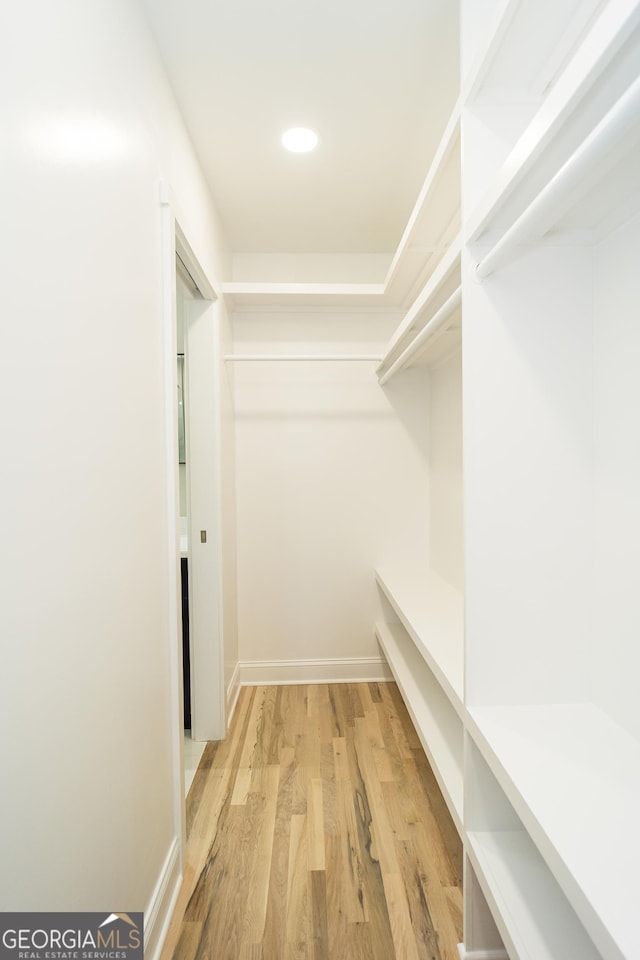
column 316, row 831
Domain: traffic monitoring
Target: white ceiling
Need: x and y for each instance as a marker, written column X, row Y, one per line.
column 375, row 78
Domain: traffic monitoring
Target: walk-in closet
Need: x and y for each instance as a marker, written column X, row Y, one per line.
column 477, row 461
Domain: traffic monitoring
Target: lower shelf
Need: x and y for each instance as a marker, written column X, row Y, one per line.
column 535, row 919
column 465, row 954
column 572, row 776
column 431, row 611
column 436, row 721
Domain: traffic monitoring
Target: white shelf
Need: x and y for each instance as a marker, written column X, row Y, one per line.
column 434, row 313
column 431, row 610
column 430, row 250
column 573, row 777
column 434, row 222
column 437, row 724
column 533, row 916
column 265, row 293
column 594, row 80
column 523, row 50
column 596, row 190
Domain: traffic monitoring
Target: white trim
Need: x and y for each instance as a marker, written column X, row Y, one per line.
column 318, row 309
column 208, row 288
column 338, row 670
column 157, row 916
column 174, row 241
column 270, row 288
column 233, row 692
column 218, row 372
column 302, row 357
column 168, row 282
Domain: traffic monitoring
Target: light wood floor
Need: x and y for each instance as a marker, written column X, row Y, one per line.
column 316, row 831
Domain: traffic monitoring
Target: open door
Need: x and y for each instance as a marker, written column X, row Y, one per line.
column 203, row 493
column 203, row 489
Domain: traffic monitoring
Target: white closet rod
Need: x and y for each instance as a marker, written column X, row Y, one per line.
column 322, row 357
column 595, row 155
column 439, row 318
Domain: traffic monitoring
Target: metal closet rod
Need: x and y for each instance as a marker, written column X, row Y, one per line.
column 594, row 156
column 322, row 357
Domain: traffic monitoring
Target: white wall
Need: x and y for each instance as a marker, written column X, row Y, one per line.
column 528, row 465
column 330, row 481
column 617, row 476
column 311, row 268
column 89, row 127
column 445, row 457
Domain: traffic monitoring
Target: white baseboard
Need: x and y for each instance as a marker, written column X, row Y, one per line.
column 314, row 671
column 157, row 916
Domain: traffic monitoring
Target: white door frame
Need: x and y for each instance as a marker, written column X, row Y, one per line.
column 207, row 653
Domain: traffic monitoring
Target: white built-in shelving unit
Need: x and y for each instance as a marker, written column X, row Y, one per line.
column 432, row 321
column 422, row 631
column 551, row 241
column 522, row 678
column 423, row 643
column 568, row 840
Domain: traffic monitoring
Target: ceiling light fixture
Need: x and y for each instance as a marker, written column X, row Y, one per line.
column 299, row 140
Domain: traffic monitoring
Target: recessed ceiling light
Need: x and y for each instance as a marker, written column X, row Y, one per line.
column 299, row 140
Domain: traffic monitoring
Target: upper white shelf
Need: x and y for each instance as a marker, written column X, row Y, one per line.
column 573, row 777
column 431, row 611
column 523, row 52
column 434, row 223
column 574, row 164
column 433, row 318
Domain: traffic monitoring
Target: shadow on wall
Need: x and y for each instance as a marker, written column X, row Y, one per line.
column 409, row 397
